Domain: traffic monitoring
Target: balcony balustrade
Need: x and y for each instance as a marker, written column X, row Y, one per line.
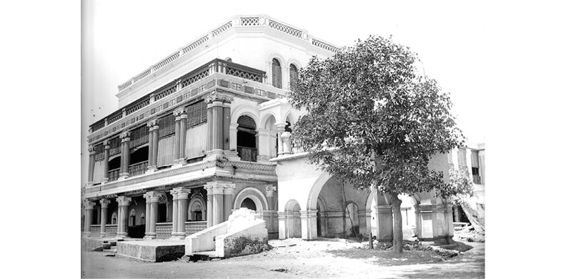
column 137, row 168
column 247, row 153
column 113, row 174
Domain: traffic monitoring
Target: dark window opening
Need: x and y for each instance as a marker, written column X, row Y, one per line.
column 161, row 213
column 276, row 73
column 197, row 215
column 249, row 204
column 293, row 76
column 246, row 139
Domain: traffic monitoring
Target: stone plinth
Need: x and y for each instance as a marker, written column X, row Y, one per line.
column 152, row 250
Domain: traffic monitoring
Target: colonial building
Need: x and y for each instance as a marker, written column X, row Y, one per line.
column 207, row 130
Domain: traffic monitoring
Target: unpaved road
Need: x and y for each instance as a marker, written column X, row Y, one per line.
column 298, row 259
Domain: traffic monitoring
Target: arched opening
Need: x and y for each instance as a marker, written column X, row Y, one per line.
column 249, row 204
column 246, row 139
column 293, row 76
column 409, row 217
column 138, row 161
column 293, row 220
column 197, row 208
column 321, row 224
column 114, row 219
column 114, row 168
column 352, row 227
column 276, row 73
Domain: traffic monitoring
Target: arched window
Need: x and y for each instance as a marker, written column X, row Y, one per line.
column 276, row 73
column 114, row 218
column 246, row 139
column 293, row 76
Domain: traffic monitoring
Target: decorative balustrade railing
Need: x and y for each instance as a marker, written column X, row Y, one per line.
column 247, row 153
column 140, row 103
column 111, row 229
column 476, row 179
column 241, row 21
column 137, row 168
column 113, row 174
column 163, row 230
column 214, row 66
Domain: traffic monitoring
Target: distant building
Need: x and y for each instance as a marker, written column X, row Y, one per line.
column 206, row 131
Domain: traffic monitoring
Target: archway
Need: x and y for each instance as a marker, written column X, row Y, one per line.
column 293, row 219
column 249, row 204
column 254, row 196
column 246, row 140
column 321, row 224
column 409, row 217
column 197, row 208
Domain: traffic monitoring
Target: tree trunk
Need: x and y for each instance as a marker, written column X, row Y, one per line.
column 397, row 224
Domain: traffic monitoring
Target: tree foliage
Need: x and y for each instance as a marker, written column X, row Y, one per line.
column 372, row 119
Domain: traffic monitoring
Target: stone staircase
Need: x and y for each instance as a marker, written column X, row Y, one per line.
column 109, row 247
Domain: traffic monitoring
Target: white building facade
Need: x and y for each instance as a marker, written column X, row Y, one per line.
column 207, row 130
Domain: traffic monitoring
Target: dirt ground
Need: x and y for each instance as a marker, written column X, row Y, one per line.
column 294, row 258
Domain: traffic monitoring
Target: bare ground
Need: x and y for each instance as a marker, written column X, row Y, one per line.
column 294, row 258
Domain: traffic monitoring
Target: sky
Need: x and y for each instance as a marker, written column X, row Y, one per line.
column 123, row 38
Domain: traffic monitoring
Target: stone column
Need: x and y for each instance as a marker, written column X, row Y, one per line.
column 283, row 233
column 228, row 199
column 90, row 164
column 264, row 146
column 125, row 160
column 103, row 214
column 147, row 215
column 153, row 143
column 226, row 124
column 280, row 128
column 182, row 197
column 123, row 203
column 175, row 213
column 105, row 162
column 209, row 205
column 308, row 224
column 152, row 198
column 88, row 217
column 180, row 135
column 218, row 121
column 217, row 203
column 384, row 223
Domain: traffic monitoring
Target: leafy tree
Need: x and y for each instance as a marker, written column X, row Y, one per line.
column 372, row 119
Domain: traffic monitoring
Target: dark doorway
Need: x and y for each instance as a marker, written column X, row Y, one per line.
column 249, row 204
column 246, row 139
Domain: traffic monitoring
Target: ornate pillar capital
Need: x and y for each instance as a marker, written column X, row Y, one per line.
column 125, row 136
column 123, row 200
column 219, row 98
column 104, row 203
column 280, row 127
column 217, row 187
column 178, row 112
column 152, row 124
column 91, row 149
column 89, row 204
column 153, row 196
column 180, row 193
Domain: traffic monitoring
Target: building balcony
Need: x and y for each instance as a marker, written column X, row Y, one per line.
column 247, row 153
column 217, row 75
column 137, row 168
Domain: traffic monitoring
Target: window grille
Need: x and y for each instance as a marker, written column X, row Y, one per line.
column 166, row 126
column 276, row 73
column 196, row 114
column 139, row 136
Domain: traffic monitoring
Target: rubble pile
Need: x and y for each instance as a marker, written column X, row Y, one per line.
column 469, row 234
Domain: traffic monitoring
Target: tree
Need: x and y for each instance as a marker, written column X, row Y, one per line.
column 372, row 119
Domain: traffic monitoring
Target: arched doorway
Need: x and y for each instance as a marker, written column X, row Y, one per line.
column 246, row 140
column 249, row 204
column 293, row 219
column 197, row 208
